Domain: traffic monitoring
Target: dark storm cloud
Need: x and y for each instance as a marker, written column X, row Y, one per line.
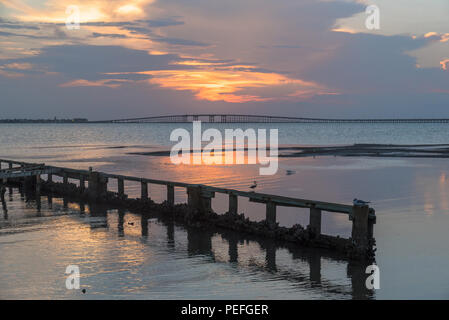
column 90, row 62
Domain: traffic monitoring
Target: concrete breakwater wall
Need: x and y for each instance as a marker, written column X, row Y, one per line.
column 198, row 210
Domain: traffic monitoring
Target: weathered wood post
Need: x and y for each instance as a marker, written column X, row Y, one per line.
column 10, row 165
column 314, row 260
column 206, row 199
column 270, row 215
column 29, row 182
column 170, row 195
column 360, row 227
column 371, row 223
column 200, row 199
column 143, row 190
column 3, row 191
column 233, row 249
column 65, row 178
column 38, row 192
column 38, row 183
column 233, row 203
column 82, row 183
column 315, row 221
column 98, row 185
column 49, row 177
column 121, row 187
column 193, row 197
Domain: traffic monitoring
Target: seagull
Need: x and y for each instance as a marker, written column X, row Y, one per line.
column 254, row 185
column 358, row 202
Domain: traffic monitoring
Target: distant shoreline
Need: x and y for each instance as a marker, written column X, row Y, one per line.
column 75, row 120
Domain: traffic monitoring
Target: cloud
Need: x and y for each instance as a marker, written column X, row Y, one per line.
column 54, row 11
column 109, row 35
column 179, row 42
column 91, row 62
column 444, row 64
column 111, row 83
column 242, row 55
column 235, row 85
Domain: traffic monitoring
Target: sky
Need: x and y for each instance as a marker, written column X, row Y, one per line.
column 305, row 58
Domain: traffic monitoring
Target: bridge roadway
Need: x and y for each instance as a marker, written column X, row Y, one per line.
column 241, row 118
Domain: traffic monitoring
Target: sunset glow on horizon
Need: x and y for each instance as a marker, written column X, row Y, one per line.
column 290, row 56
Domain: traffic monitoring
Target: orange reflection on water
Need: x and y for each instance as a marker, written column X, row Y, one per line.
column 436, row 195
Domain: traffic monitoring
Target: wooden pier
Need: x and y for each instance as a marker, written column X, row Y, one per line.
column 199, row 205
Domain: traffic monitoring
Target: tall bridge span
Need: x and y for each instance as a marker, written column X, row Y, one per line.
column 243, row 118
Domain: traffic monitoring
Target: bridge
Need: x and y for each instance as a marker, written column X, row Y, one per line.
column 244, row 118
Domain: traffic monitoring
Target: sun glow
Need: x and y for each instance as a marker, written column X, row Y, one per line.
column 235, row 86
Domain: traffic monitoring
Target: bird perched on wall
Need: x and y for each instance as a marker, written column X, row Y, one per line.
column 254, row 185
column 358, row 202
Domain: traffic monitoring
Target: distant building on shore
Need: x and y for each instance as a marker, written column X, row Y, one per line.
column 55, row 120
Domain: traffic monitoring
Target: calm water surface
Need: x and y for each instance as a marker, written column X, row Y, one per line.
column 123, row 255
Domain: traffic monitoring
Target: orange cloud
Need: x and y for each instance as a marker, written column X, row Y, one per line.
column 18, row 66
column 97, row 10
column 430, row 34
column 443, row 64
column 345, row 30
column 442, row 37
column 12, row 70
column 235, row 86
column 111, row 83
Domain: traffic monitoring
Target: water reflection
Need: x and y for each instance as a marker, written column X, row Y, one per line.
column 273, row 266
column 3, row 200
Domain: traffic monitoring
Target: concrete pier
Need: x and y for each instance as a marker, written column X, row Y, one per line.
column 233, row 203
column 170, row 195
column 199, row 201
column 121, row 187
column 360, row 234
column 144, row 190
column 271, row 214
column 98, row 185
column 315, row 221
